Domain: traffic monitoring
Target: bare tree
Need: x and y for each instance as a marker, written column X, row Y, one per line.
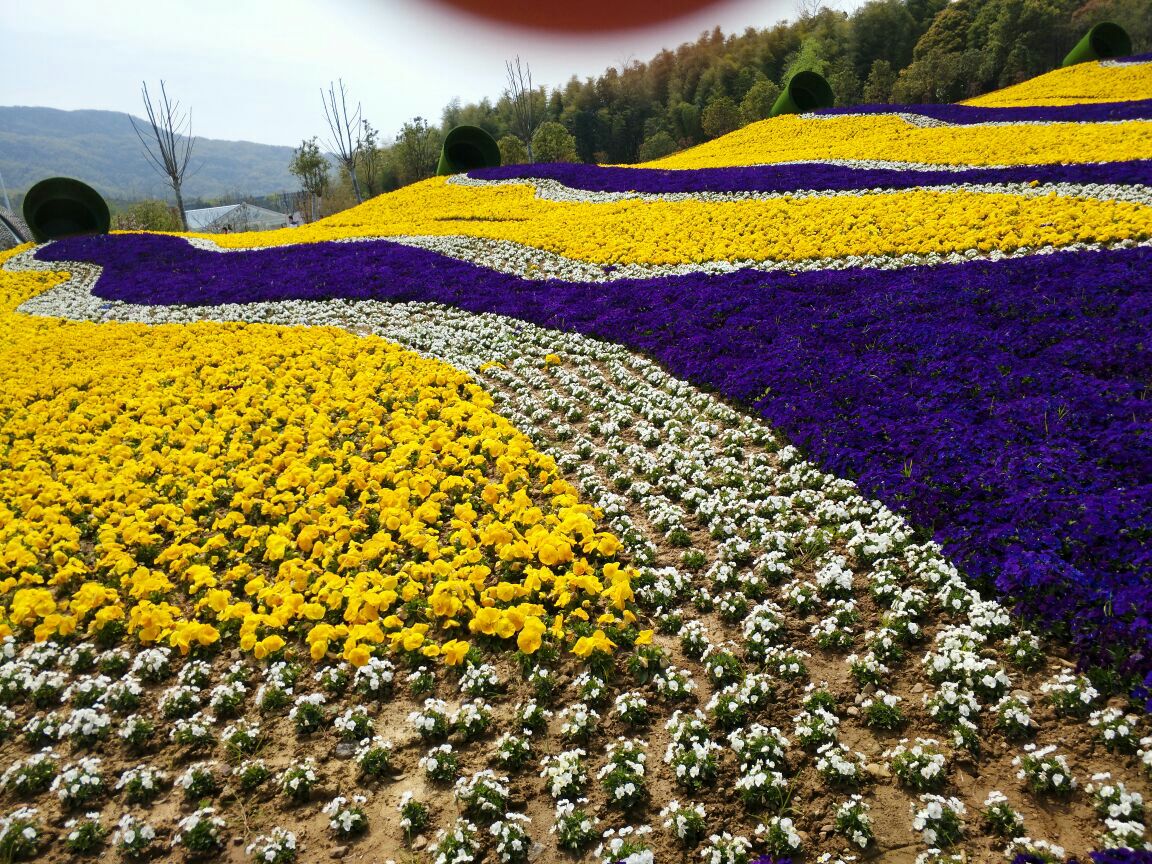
column 347, row 136
column 522, row 97
column 806, row 10
column 169, row 147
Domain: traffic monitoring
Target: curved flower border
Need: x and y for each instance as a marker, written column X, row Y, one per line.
column 1003, row 425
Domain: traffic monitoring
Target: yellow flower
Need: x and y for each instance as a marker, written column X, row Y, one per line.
column 553, row 549
column 604, row 544
column 187, row 633
column 312, row 611
column 242, row 482
column 357, row 655
column 453, row 652
column 485, row 621
column 619, row 593
column 54, row 625
column 598, row 641
column 444, row 604
column 268, row 645
column 29, row 604
column 412, row 639
column 318, row 638
column 275, row 548
column 506, row 626
column 531, row 635
column 644, row 637
column 507, row 591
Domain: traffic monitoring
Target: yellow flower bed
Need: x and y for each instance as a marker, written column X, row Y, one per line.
column 1081, row 84
column 179, row 484
column 673, row 232
column 791, row 138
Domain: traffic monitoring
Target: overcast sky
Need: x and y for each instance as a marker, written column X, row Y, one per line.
column 252, row 70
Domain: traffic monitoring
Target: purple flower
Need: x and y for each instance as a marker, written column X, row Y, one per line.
column 1136, row 109
column 815, row 176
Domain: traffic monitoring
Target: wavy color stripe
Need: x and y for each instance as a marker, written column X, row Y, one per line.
column 912, row 221
column 792, row 138
column 980, row 399
column 1137, row 109
column 808, row 176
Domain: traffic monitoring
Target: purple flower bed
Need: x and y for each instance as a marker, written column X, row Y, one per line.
column 1106, row 856
column 815, row 176
column 1137, row 109
column 1005, row 407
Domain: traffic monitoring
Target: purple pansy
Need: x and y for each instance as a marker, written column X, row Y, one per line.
column 1135, row 109
column 817, row 176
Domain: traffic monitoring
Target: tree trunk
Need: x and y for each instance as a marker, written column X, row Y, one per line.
column 180, row 205
column 356, row 185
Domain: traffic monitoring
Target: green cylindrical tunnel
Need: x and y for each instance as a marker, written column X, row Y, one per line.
column 465, row 148
column 1102, row 42
column 806, row 91
column 61, row 206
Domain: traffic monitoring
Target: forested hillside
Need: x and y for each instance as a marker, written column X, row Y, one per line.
column 909, row 51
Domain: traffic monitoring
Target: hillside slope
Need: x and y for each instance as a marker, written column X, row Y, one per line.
column 101, row 148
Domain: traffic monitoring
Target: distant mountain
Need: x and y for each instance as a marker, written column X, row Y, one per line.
column 100, row 148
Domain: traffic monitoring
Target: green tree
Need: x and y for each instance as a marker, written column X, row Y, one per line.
column 720, row 117
column 1132, row 15
column 685, row 121
column 943, row 68
column 553, row 143
column 512, row 150
column 149, row 215
column 369, row 160
column 309, row 165
column 811, row 58
column 923, row 11
column 657, row 146
column 883, row 30
column 878, row 87
column 758, row 101
column 417, row 150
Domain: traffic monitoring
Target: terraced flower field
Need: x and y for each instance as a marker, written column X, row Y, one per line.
column 788, row 498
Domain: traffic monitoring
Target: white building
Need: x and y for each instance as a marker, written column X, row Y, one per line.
column 234, row 217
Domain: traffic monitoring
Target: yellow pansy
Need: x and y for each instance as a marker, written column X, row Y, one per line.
column 531, row 635
column 598, row 642
column 453, row 652
column 268, row 645
column 300, row 490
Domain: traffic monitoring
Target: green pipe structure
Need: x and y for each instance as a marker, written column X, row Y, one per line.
column 1102, row 42
column 806, row 91
column 466, row 148
column 62, row 206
